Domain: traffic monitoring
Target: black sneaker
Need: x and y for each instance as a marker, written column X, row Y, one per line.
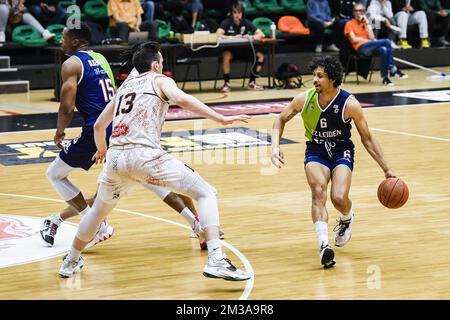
column 398, row 74
column 48, row 231
column 388, row 82
column 327, row 256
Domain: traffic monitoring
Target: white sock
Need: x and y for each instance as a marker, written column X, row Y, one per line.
column 82, row 213
column 56, row 219
column 189, row 216
column 347, row 217
column 322, row 233
column 74, row 254
column 214, row 249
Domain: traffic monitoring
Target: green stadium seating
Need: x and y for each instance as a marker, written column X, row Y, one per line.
column 250, row 10
column 264, row 24
column 163, row 29
column 268, row 6
column 57, row 29
column 95, row 9
column 294, row 6
column 27, row 36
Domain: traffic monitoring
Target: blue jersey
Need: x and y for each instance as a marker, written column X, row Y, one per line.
column 96, row 85
column 95, row 89
column 328, row 131
column 326, row 124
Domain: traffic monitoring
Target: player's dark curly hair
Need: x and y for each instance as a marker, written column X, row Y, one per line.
column 141, row 55
column 82, row 32
column 332, row 66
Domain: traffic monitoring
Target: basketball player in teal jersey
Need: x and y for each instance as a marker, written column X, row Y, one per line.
column 327, row 112
column 88, row 85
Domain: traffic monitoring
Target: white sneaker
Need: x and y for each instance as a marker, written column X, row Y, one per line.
column 200, row 234
column 327, row 256
column 333, row 48
column 394, row 45
column 2, row 37
column 104, row 233
column 47, row 35
column 224, row 269
column 318, row 48
column 69, row 267
column 343, row 232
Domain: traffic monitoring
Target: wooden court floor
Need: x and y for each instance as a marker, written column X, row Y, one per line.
column 265, row 214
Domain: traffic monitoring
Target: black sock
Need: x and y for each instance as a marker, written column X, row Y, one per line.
column 226, row 77
column 252, row 77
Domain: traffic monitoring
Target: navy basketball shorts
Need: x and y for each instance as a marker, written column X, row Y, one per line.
column 78, row 152
column 331, row 157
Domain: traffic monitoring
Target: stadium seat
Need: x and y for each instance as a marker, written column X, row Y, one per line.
column 67, row 3
column 264, row 24
column 95, row 9
column 188, row 62
column 214, row 13
column 27, row 36
column 290, row 24
column 250, row 10
column 162, row 28
column 294, row 6
column 57, row 29
column 268, row 6
column 354, row 61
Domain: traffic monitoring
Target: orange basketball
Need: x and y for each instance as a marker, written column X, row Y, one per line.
column 393, row 193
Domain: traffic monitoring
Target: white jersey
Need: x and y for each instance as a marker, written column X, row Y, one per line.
column 139, row 113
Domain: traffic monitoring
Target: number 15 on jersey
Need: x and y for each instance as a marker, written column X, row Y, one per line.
column 107, row 89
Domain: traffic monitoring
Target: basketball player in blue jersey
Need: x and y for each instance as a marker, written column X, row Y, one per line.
column 88, row 85
column 327, row 112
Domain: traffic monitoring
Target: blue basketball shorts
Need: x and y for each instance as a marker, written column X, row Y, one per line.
column 78, row 152
column 332, row 155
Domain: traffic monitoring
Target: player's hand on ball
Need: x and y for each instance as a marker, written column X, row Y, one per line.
column 389, row 174
column 277, row 157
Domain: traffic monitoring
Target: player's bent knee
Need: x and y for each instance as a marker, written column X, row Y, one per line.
column 58, row 170
column 339, row 199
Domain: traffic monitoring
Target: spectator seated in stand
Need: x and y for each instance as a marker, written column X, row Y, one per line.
column 46, row 12
column 382, row 18
column 13, row 13
column 237, row 25
column 438, row 19
column 319, row 19
column 125, row 17
column 407, row 13
column 361, row 36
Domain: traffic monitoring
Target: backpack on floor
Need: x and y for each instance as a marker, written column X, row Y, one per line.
column 288, row 76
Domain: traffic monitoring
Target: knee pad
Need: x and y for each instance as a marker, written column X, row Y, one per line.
column 92, row 220
column 57, row 173
column 159, row 191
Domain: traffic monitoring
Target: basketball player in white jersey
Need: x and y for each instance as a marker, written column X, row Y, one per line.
column 136, row 155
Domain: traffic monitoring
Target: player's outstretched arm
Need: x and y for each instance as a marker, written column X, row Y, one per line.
column 100, row 126
column 70, row 72
column 354, row 111
column 287, row 114
column 172, row 92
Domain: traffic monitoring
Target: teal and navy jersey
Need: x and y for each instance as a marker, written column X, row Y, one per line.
column 326, row 125
column 96, row 85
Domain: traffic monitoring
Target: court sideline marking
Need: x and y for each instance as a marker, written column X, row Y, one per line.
column 249, row 283
column 410, row 134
